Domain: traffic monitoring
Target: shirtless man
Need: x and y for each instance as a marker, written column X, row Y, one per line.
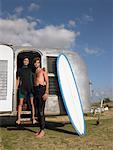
column 41, row 94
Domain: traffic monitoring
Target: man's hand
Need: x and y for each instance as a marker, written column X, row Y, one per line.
column 45, row 96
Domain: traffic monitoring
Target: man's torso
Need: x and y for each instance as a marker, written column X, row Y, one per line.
column 39, row 77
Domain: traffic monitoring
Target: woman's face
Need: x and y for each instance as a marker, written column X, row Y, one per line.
column 26, row 61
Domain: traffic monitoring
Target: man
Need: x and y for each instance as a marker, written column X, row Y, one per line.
column 25, row 85
column 41, row 94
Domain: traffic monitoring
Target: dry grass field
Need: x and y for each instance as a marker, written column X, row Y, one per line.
column 60, row 135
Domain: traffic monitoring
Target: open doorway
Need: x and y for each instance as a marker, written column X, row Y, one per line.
column 31, row 55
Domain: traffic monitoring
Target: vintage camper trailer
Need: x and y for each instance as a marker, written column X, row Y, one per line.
column 11, row 59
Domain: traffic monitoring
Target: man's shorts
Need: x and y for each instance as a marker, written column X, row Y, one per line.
column 21, row 95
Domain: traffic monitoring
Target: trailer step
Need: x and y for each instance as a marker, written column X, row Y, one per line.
column 27, row 121
column 26, row 112
column 26, row 118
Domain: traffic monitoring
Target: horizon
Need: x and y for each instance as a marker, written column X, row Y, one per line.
column 83, row 27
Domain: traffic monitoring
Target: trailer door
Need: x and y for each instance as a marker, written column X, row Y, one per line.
column 6, row 78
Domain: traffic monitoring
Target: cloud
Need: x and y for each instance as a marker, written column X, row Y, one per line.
column 72, row 23
column 85, row 18
column 21, row 31
column 19, row 10
column 91, row 51
column 29, row 18
column 88, row 18
column 15, row 14
column 33, row 7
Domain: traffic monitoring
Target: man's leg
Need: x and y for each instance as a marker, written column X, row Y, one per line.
column 20, row 109
column 39, row 92
column 41, row 120
column 41, row 117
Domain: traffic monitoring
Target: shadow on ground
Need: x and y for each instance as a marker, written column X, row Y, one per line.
column 55, row 126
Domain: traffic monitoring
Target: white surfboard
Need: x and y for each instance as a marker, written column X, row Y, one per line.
column 70, row 94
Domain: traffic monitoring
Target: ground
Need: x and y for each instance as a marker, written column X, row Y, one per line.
column 61, row 135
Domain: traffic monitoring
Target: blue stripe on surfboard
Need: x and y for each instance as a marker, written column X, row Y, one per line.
column 64, row 97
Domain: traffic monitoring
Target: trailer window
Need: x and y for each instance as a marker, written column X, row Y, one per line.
column 51, row 64
column 53, row 84
column 3, row 79
column 53, row 88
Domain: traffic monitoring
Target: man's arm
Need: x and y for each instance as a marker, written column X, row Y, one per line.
column 45, row 96
column 47, row 82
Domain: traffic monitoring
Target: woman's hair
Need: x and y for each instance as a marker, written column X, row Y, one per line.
column 25, row 57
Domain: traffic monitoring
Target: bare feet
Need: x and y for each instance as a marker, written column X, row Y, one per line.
column 37, row 133
column 40, row 134
column 18, row 121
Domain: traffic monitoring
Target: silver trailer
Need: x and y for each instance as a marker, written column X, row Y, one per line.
column 11, row 59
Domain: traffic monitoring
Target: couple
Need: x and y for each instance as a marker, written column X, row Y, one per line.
column 25, row 84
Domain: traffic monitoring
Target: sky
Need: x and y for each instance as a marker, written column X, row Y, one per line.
column 83, row 26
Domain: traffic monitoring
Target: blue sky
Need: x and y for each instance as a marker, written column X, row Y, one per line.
column 85, row 26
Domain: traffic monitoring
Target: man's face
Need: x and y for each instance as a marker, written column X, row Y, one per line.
column 37, row 64
column 26, row 61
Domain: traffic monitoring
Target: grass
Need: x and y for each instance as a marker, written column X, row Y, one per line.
column 59, row 136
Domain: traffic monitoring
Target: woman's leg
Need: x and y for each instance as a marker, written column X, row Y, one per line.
column 33, row 110
column 20, row 109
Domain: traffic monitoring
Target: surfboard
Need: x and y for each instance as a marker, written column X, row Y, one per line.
column 70, row 94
